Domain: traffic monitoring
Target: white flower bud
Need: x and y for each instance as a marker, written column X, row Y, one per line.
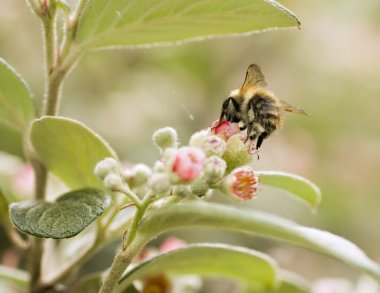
column 214, row 169
column 113, row 182
column 141, row 174
column 105, row 167
column 126, row 174
column 236, row 154
column 182, row 190
column 199, row 188
column 169, row 154
column 197, row 138
column 214, row 146
column 159, row 183
column 165, row 138
column 168, row 158
column 159, row 166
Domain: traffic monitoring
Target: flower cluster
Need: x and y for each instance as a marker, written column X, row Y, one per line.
column 216, row 158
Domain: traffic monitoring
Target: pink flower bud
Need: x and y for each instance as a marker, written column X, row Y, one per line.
column 188, row 163
column 23, row 181
column 172, row 243
column 242, row 183
column 225, row 129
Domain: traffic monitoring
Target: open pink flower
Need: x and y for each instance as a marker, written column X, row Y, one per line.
column 188, row 163
column 225, row 129
column 242, row 183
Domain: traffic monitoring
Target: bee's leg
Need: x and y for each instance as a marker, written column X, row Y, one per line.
column 249, row 131
column 252, row 150
column 260, row 139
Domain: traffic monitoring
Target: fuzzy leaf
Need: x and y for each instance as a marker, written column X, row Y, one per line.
column 65, row 218
column 16, row 105
column 106, row 23
column 16, row 109
column 298, row 186
column 70, row 150
column 226, row 217
column 209, row 260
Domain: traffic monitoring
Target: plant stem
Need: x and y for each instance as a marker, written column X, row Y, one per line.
column 40, row 175
column 56, row 68
column 120, row 263
column 71, row 28
column 49, row 31
column 129, row 250
column 35, row 257
column 131, row 195
column 132, row 229
column 51, row 94
column 16, row 239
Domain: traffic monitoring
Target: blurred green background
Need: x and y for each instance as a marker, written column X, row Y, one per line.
column 330, row 68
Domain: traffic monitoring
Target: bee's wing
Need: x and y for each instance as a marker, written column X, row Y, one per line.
column 254, row 77
column 289, row 108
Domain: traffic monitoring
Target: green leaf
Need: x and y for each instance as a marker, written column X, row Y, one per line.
column 288, row 283
column 14, row 276
column 300, row 187
column 226, row 217
column 4, row 214
column 70, row 150
column 65, row 218
column 16, row 109
column 106, row 23
column 292, row 283
column 209, row 260
column 16, row 104
column 11, row 141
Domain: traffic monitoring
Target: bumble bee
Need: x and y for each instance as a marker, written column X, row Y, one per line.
column 255, row 108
